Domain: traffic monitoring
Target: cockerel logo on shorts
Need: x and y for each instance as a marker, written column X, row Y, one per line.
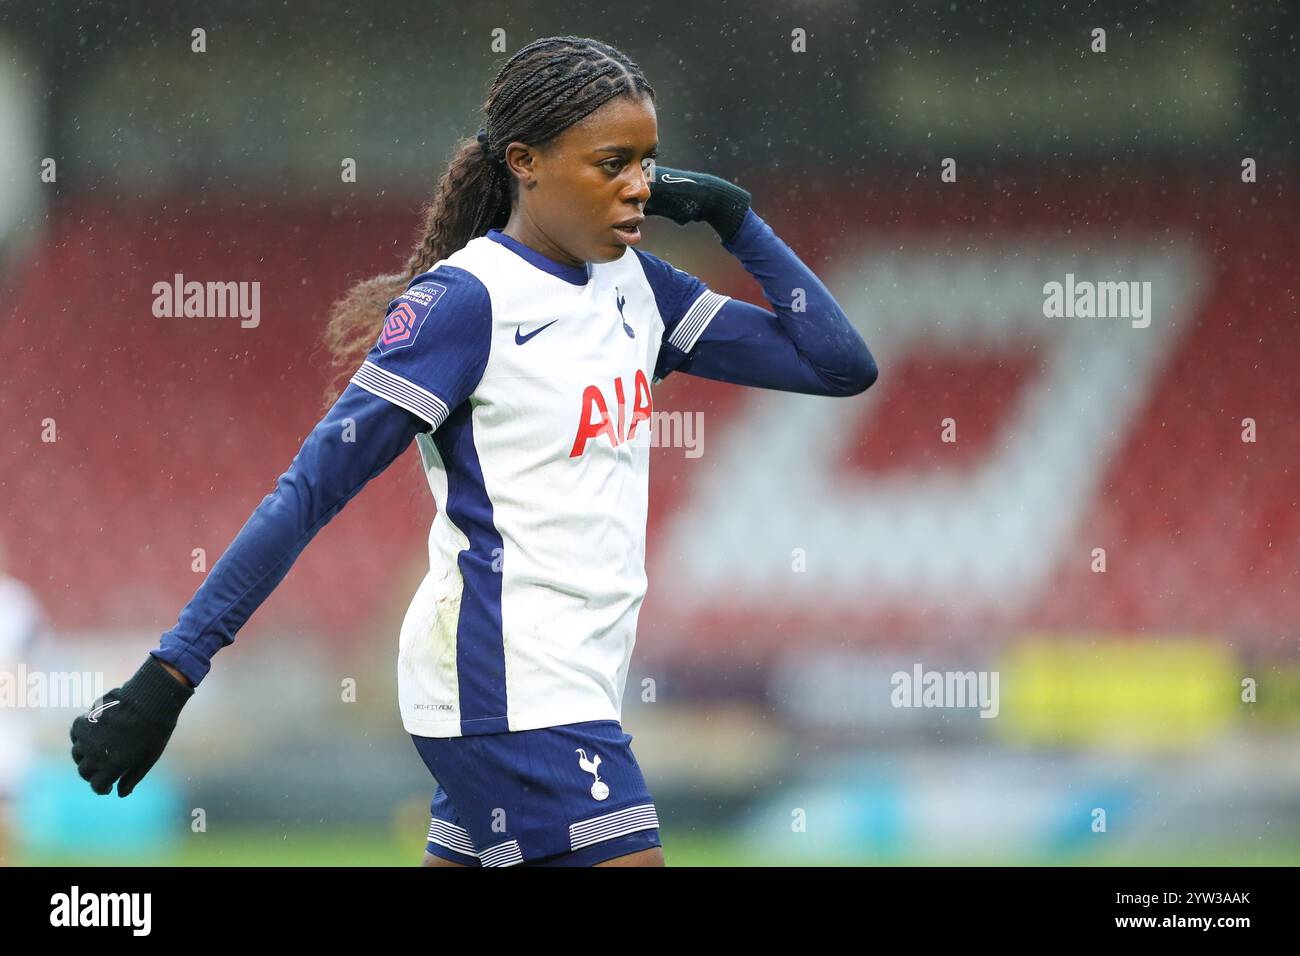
column 599, row 789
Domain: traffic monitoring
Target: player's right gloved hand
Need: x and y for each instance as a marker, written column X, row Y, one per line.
column 124, row 734
column 684, row 196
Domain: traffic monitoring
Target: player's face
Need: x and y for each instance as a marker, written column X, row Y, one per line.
column 584, row 182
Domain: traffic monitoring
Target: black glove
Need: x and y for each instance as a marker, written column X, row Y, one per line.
column 684, row 196
column 124, row 734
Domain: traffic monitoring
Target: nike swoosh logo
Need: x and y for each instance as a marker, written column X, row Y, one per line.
column 670, row 178
column 93, row 715
column 521, row 339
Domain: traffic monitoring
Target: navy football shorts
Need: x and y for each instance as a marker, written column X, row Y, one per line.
column 570, row 795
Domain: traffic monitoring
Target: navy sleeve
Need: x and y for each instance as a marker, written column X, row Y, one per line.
column 813, row 349
column 434, row 346
column 357, row 439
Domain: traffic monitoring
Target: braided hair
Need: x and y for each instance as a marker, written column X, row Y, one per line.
column 541, row 91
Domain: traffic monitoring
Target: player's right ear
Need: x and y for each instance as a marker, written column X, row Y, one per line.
column 525, row 163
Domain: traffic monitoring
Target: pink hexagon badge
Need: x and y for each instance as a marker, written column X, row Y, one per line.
column 407, row 317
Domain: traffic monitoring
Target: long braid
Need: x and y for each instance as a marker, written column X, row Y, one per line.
column 538, row 93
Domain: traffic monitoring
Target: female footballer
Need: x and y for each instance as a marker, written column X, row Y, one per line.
column 517, row 350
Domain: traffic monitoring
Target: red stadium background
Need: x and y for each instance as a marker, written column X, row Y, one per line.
column 170, row 431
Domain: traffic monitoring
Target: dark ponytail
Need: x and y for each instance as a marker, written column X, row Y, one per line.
column 542, row 90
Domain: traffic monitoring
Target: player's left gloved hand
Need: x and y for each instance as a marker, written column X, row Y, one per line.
column 125, row 732
column 684, row 196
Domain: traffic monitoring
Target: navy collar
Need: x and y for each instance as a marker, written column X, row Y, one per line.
column 576, row 275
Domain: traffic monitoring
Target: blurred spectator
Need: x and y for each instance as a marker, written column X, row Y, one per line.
column 22, row 623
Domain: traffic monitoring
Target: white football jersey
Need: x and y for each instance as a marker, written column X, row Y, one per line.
column 535, row 377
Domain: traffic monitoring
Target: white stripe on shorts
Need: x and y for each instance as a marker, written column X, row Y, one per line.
column 451, row 836
column 611, row 825
column 503, row 854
